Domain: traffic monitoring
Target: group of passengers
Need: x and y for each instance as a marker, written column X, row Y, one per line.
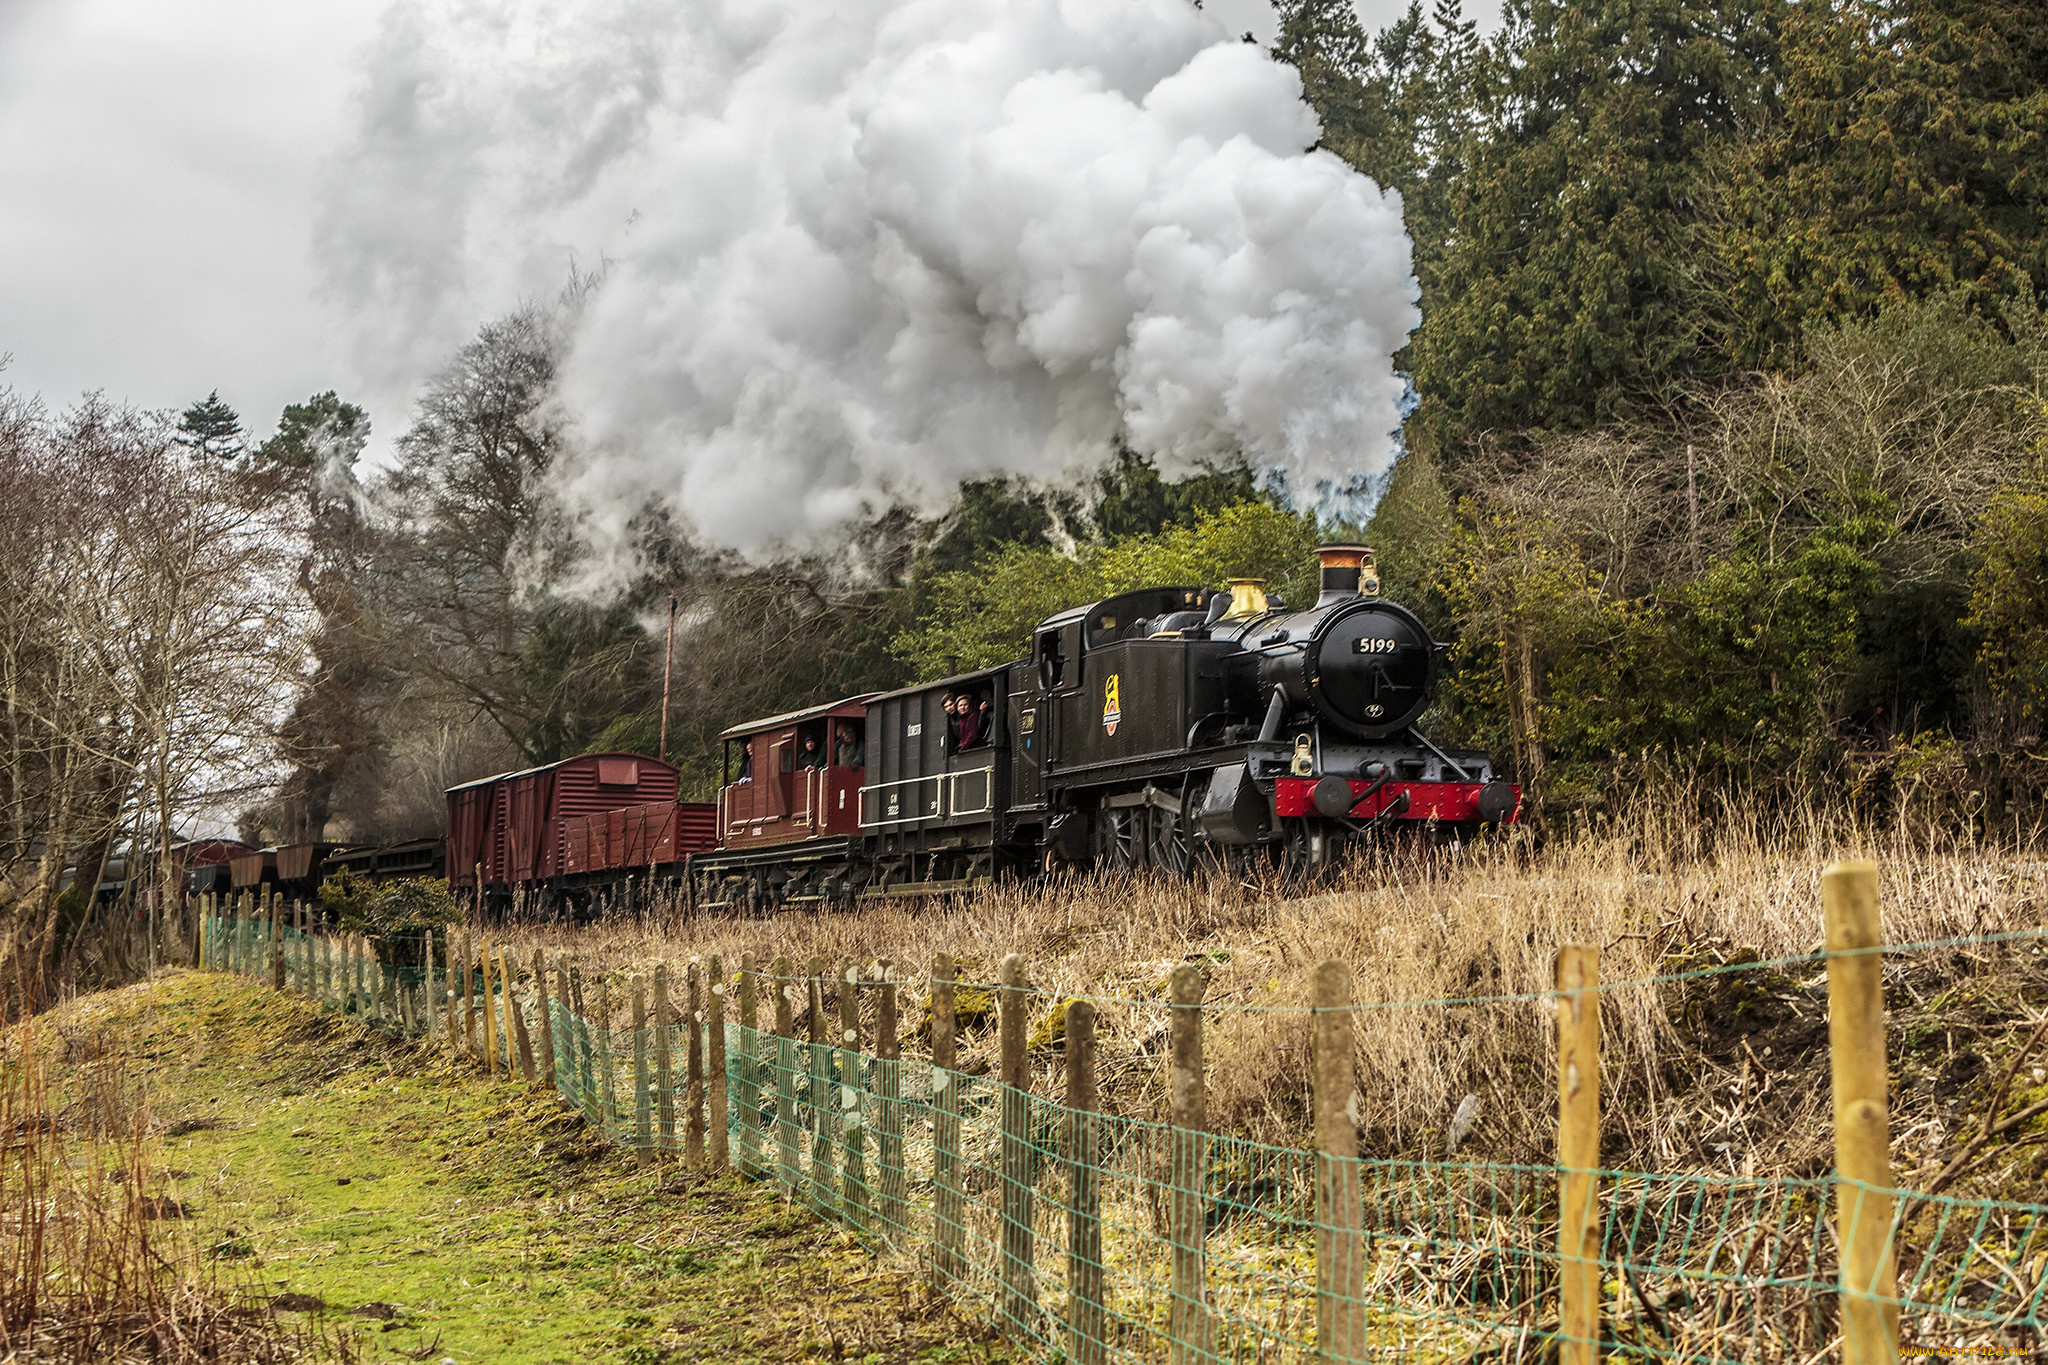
column 847, row 752
column 846, row 749
column 970, row 719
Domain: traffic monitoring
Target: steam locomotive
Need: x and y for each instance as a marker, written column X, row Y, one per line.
column 1158, row 728
column 1163, row 728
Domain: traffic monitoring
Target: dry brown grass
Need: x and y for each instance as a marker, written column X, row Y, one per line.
column 1692, row 1074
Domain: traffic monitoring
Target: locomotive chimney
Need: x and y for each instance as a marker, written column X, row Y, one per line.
column 1348, row 572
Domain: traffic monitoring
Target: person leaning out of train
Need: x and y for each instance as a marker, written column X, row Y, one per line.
column 966, row 723
column 846, row 749
column 813, row 755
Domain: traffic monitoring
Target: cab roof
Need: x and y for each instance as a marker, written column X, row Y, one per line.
column 854, row 707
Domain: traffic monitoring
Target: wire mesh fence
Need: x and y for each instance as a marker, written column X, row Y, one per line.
column 1090, row 1236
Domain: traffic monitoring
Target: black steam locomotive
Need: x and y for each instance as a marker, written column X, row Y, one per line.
column 1157, row 728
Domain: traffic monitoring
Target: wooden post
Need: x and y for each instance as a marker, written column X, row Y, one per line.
column 544, row 1021
column 786, row 1155
column 1578, row 1153
column 276, row 942
column 664, row 1072
column 607, row 1096
column 714, row 1065
column 490, row 1007
column 1192, row 1330
column 1016, row 1275
column 749, row 1070
column 1085, row 1341
column 454, row 1039
column 469, row 1024
column 584, row 1064
column 1863, row 1167
column 693, row 1088
column 643, row 1137
column 823, row 1108
column 889, row 1111
column 508, row 972
column 949, row 1200
column 852, row 1130
column 427, row 1012
column 1340, row 1240
column 357, row 955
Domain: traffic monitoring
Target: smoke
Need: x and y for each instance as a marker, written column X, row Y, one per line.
column 848, row 255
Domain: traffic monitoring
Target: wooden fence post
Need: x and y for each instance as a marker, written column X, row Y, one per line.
column 750, row 1069
column 786, row 1153
column 582, row 1074
column 469, row 1022
column 426, row 1012
column 1863, row 1168
column 664, row 1065
column 1018, row 1272
column 582, row 1065
column 454, row 1038
column 490, row 1006
column 949, row 1200
column 1192, row 1333
column 607, row 1072
column 276, row 942
column 356, row 956
column 889, row 1125
column 693, row 1073
column 1340, row 1241
column 714, row 1066
column 508, row 972
column 1578, row 1153
column 643, row 1109
column 847, row 1098
column 818, row 1090
column 544, row 1021
column 1086, row 1344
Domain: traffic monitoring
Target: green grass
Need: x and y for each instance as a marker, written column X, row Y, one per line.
column 480, row 1221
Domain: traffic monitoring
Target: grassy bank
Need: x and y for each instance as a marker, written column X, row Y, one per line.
column 403, row 1210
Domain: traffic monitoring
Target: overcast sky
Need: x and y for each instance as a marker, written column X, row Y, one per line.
column 161, row 162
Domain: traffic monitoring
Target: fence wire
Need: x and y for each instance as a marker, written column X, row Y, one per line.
column 1086, row 1236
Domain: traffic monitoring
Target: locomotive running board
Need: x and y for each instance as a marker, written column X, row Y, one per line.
column 924, row 888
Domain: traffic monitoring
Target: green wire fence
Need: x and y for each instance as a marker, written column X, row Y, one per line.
column 1087, row 1237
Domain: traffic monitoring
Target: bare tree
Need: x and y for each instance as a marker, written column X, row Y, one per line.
column 151, row 639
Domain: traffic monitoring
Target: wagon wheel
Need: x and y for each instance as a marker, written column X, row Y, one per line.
column 1169, row 845
column 1119, row 842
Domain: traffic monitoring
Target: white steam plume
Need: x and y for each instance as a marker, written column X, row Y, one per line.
column 854, row 253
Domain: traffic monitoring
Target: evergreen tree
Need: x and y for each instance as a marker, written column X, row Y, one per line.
column 1564, row 297
column 1910, row 160
column 212, row 428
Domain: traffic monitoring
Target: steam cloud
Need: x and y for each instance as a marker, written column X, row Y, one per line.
column 854, row 253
